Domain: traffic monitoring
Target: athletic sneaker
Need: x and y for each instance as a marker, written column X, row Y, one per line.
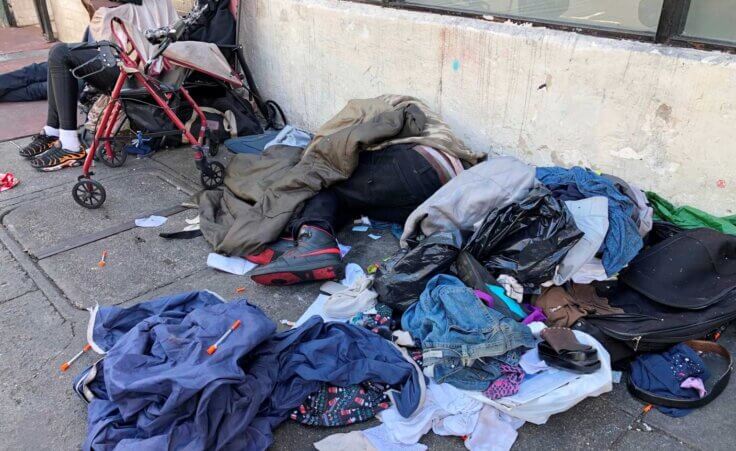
column 57, row 158
column 272, row 252
column 40, row 144
column 315, row 257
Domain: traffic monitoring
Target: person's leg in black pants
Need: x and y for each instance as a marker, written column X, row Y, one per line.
column 61, row 120
column 25, row 84
column 387, row 185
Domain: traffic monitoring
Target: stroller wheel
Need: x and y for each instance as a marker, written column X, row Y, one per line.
column 213, row 175
column 89, row 193
column 119, row 155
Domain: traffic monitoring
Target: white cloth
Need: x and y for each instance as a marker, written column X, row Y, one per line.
column 495, row 431
column 353, row 273
column 590, row 272
column 378, row 437
column 554, row 391
column 512, row 287
column 290, row 136
column 358, row 297
column 151, row 221
column 403, row 338
column 536, row 386
column 531, row 363
column 591, row 217
column 233, row 265
column 442, row 401
column 317, row 308
column 448, row 411
column 354, row 441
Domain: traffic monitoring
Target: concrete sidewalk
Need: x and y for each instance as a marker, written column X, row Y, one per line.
column 20, row 47
column 43, row 321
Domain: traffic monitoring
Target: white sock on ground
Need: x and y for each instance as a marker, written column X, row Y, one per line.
column 69, row 140
column 50, row 131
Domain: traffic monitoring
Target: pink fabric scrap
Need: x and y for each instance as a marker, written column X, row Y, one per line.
column 506, row 385
column 695, row 383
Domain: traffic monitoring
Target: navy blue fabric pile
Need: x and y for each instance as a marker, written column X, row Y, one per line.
column 662, row 374
column 159, row 389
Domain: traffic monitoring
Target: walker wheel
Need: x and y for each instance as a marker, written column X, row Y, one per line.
column 213, row 175
column 89, row 193
column 119, row 155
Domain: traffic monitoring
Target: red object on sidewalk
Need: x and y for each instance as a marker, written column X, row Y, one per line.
column 7, row 181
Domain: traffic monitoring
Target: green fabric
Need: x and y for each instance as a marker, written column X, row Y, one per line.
column 690, row 217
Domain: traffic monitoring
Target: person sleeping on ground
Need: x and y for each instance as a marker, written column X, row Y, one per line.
column 387, row 185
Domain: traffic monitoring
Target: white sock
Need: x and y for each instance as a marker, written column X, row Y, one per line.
column 69, row 140
column 50, row 131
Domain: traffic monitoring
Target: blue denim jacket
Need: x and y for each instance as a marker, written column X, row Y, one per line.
column 463, row 341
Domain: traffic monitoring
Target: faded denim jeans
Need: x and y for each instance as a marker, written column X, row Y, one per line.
column 463, row 341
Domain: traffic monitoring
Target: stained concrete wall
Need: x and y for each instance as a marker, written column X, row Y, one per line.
column 72, row 19
column 24, row 12
column 657, row 116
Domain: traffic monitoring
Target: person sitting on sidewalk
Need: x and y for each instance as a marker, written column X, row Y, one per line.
column 387, row 185
column 57, row 146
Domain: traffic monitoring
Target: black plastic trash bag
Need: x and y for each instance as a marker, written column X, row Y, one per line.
column 404, row 276
column 526, row 240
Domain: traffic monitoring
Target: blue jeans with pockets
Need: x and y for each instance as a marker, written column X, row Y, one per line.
column 463, row 341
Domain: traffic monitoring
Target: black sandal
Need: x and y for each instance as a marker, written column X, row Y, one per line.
column 561, row 349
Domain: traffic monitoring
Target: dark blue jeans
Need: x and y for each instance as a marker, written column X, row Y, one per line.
column 25, row 84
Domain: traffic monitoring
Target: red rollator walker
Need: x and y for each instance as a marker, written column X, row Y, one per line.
column 159, row 77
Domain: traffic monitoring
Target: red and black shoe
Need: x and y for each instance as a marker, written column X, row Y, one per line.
column 272, row 251
column 315, row 257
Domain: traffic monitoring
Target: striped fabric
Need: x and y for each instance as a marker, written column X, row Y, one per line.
column 446, row 165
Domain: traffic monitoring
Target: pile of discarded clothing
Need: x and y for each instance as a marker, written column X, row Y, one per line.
column 160, row 385
column 514, row 293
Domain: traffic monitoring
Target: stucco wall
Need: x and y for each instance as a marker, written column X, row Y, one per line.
column 657, row 116
column 71, row 18
column 23, row 12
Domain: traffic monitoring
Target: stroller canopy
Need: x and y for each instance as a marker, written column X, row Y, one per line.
column 203, row 57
